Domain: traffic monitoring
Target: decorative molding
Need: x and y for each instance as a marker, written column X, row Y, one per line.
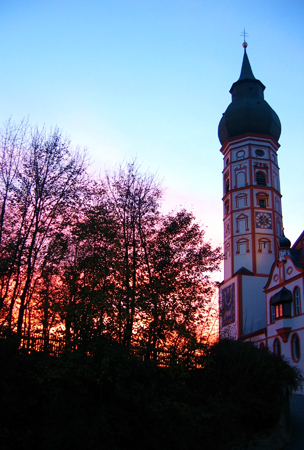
column 284, row 333
column 263, row 242
column 289, row 270
column 240, row 242
column 242, row 217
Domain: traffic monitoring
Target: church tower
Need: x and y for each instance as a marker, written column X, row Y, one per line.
column 252, row 216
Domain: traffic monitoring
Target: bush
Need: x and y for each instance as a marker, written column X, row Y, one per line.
column 112, row 400
column 248, row 385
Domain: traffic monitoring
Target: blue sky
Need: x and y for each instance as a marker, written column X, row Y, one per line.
column 150, row 79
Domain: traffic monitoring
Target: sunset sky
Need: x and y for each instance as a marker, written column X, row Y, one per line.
column 150, row 79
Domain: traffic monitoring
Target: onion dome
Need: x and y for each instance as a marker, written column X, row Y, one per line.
column 248, row 112
column 284, row 243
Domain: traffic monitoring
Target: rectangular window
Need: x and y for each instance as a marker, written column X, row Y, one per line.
column 297, row 301
column 226, row 207
column 279, row 311
column 262, row 203
column 272, row 314
column 298, row 309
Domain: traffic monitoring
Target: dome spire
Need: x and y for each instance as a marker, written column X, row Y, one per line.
column 246, row 71
column 248, row 112
column 284, row 246
column 284, row 242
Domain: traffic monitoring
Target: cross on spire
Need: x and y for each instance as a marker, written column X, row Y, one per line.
column 244, row 34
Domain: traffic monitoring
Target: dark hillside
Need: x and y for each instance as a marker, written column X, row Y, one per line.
column 112, row 400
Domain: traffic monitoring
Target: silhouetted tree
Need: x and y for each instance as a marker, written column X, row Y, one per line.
column 89, row 274
column 134, row 199
column 180, row 287
column 43, row 183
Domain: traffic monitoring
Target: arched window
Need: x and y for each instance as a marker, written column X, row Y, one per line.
column 241, row 200
column 278, row 227
column 260, row 179
column 295, row 348
column 277, row 347
column 227, row 251
column 297, row 304
column 240, row 179
column 262, row 199
column 240, row 174
column 227, row 186
column 226, row 207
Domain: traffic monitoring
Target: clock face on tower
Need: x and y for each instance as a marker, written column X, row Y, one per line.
column 263, row 220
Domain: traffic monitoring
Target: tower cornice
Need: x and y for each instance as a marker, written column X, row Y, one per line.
column 244, row 138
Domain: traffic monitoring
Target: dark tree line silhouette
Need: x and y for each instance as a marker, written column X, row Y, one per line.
column 82, row 258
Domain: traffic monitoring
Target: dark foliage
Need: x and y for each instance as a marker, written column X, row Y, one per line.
column 103, row 398
column 248, row 385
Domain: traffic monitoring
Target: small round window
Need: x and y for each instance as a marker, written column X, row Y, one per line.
column 295, row 348
column 259, row 152
column 240, row 154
